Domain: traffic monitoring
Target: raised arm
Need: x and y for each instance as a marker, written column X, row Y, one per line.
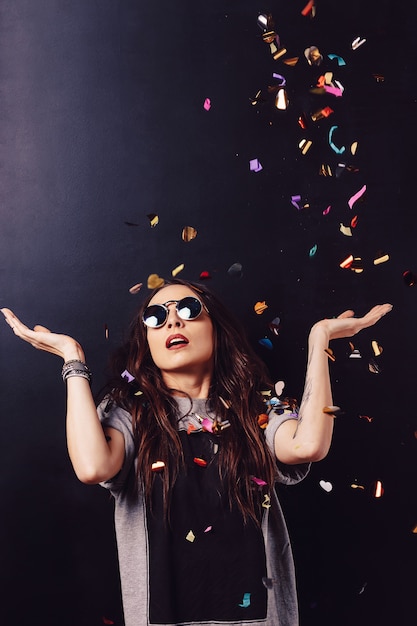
column 96, row 454
column 309, row 438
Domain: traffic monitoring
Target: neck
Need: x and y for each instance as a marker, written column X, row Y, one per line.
column 189, row 384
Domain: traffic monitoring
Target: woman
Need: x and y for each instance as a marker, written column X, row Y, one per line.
column 183, row 442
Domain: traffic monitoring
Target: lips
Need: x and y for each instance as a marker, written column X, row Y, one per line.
column 176, row 341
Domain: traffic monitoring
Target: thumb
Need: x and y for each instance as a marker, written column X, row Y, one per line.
column 41, row 329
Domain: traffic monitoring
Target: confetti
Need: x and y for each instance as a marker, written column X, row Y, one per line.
column 332, row 410
column 280, row 78
column 190, row 536
column 353, row 148
column 325, row 170
column 188, row 233
column 127, row 376
column 330, row 354
column 291, row 62
column 356, row 486
column 305, row 145
column 281, row 100
column 246, row 601
column 355, row 354
column 347, row 262
column 263, row 420
column 207, row 104
column 376, row 348
column 279, row 387
column 135, row 288
column 354, row 222
column 266, row 502
column 409, row 278
column 258, row 481
column 208, row 529
column 383, row 258
column 310, row 8
column 340, row 60
column 312, row 251
column 295, row 201
column 345, row 230
column 274, row 325
column 367, row 418
column 235, row 270
column 332, row 145
column 378, row 490
column 155, row 281
column 356, row 196
column 327, row 210
column 414, row 530
column 260, row 307
column 374, row 367
column 107, row 621
column 158, row 466
column 357, row 42
column 322, row 113
column 106, row 331
column 199, row 461
column 254, row 165
column 313, row 56
column 177, row 269
column 204, row 275
column 326, row 486
column 266, row 343
column 153, row 219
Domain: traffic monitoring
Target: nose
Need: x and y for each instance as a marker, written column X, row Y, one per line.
column 173, row 319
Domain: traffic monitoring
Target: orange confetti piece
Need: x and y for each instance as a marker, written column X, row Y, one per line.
column 366, row 417
column 347, row 262
column 263, row 420
column 260, row 307
column 199, row 461
column 189, row 233
column 293, row 61
column 309, row 8
column 354, row 222
column 136, row 288
column 330, row 354
column 378, row 489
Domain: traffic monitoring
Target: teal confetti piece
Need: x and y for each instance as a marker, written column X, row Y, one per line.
column 340, row 61
column 266, row 343
column 246, row 601
column 313, row 251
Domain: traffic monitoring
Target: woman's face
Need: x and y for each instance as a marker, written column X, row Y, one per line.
column 181, row 346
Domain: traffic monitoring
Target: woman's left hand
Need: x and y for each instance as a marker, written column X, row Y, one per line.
column 346, row 325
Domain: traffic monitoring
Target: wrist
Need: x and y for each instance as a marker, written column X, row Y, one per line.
column 73, row 352
column 319, row 333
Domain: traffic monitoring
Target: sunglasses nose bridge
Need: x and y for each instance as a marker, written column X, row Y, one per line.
column 173, row 319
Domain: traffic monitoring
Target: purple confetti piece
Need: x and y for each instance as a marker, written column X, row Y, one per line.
column 254, row 165
column 128, row 376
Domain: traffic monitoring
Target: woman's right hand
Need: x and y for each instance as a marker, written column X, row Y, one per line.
column 43, row 339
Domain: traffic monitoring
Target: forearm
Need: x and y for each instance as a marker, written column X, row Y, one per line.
column 89, row 451
column 309, row 438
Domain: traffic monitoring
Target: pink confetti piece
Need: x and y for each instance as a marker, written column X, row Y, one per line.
column 208, row 529
column 254, row 165
column 207, row 104
column 258, row 481
column 356, row 196
column 207, row 424
column 327, row 211
column 334, row 91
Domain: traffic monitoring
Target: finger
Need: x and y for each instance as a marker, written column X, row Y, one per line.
column 346, row 314
column 41, row 329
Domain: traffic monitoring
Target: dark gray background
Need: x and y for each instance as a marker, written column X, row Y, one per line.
column 102, row 123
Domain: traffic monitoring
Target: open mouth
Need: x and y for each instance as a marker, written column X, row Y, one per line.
column 175, row 341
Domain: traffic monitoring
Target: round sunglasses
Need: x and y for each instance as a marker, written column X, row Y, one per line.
column 188, row 308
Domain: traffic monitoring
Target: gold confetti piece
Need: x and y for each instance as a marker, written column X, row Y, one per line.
column 136, row 288
column 190, row 536
column 330, row 354
column 225, row 402
column 267, row 502
column 381, row 259
column 305, row 145
column 293, row 61
column 345, row 230
column 106, row 331
column 278, row 53
column 357, row 265
column 313, row 56
column 260, row 307
column 332, row 410
column 356, row 486
column 378, row 489
column 414, row 530
column 281, row 100
column 325, row 170
column 139, row 393
column 354, row 147
column 177, row 269
column 376, row 348
column 189, row 233
column 155, row 281
column 153, row 219
column 158, row 466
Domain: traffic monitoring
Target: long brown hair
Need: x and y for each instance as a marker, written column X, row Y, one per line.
column 239, row 376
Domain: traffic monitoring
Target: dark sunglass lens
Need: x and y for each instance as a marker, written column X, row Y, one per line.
column 189, row 308
column 155, row 315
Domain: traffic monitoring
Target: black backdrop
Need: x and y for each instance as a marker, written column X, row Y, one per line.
column 103, row 124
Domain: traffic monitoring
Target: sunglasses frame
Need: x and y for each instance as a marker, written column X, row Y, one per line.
column 176, row 302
